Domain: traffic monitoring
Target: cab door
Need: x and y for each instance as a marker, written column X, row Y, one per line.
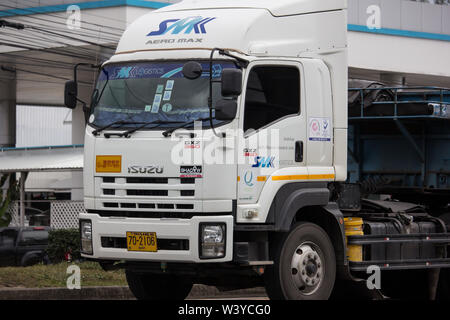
column 274, row 125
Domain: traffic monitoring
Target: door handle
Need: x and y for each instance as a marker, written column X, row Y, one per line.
column 298, row 151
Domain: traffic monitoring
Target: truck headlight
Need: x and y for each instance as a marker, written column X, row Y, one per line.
column 212, row 240
column 86, row 236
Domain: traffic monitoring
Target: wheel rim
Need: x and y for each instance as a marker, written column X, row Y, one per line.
column 307, row 268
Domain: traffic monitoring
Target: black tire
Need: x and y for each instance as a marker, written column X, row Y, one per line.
column 31, row 260
column 46, row 260
column 157, row 287
column 285, row 280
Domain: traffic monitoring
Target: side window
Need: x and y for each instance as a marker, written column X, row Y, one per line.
column 273, row 92
column 34, row 237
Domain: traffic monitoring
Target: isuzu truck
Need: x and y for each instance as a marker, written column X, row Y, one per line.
column 223, row 147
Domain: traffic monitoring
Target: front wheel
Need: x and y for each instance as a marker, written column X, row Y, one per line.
column 304, row 264
column 157, row 287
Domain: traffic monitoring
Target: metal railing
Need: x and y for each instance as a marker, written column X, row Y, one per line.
column 63, row 213
column 436, row 100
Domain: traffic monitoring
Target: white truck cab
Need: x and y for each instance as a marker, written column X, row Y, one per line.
column 214, row 125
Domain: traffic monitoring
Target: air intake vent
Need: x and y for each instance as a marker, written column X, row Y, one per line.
column 110, row 205
column 147, row 192
column 109, row 192
column 147, row 180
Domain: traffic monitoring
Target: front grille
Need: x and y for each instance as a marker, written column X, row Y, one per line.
column 162, row 206
column 187, row 193
column 147, row 180
column 163, row 244
column 110, row 205
column 185, row 206
column 128, row 205
column 165, row 206
column 147, row 206
column 109, row 192
column 153, row 193
column 160, row 187
column 154, row 214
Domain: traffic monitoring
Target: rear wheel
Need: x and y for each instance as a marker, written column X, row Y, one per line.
column 157, row 287
column 304, row 264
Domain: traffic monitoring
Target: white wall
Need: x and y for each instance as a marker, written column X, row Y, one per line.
column 399, row 54
column 43, row 126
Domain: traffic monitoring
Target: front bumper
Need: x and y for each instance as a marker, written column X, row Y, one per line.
column 175, row 229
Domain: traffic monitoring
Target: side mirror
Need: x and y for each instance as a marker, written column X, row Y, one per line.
column 192, row 70
column 70, row 94
column 226, row 109
column 231, row 82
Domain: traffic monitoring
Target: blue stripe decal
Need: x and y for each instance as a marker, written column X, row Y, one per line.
column 171, row 73
column 400, row 33
column 83, row 5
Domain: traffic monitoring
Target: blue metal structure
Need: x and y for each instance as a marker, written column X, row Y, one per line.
column 399, row 142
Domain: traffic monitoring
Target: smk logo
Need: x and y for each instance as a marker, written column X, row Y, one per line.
column 264, row 162
column 124, row 73
column 176, row 26
column 248, row 178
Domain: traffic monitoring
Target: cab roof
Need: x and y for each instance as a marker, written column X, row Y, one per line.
column 277, row 8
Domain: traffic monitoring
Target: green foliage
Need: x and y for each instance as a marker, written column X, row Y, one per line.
column 61, row 242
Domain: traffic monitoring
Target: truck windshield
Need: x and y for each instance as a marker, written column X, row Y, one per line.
column 146, row 91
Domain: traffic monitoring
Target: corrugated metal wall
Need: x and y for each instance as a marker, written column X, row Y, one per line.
column 43, row 126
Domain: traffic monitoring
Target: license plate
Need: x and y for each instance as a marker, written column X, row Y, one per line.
column 142, row 241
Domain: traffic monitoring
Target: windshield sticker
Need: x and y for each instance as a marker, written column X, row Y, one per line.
column 157, row 99
column 167, row 107
column 155, row 108
column 167, row 95
column 160, row 89
column 148, row 108
column 156, row 103
column 169, row 84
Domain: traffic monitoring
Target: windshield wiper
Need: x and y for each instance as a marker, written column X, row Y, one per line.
column 127, row 133
column 97, row 131
column 168, row 132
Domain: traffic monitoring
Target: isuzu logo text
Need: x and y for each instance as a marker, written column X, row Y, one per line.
column 145, row 169
column 177, row 26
